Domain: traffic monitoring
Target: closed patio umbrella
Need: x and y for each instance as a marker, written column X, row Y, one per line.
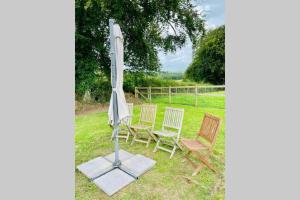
column 118, row 108
column 108, row 172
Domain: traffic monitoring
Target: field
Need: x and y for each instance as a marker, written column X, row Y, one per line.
column 211, row 102
column 169, row 179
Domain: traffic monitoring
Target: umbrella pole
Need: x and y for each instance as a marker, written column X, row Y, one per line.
column 117, row 161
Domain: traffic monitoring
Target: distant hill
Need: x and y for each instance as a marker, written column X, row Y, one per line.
column 171, row 75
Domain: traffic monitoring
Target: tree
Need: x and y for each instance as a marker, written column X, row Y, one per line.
column 147, row 26
column 208, row 63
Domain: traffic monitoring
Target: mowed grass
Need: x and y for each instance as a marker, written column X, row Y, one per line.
column 216, row 102
column 169, row 178
column 204, row 100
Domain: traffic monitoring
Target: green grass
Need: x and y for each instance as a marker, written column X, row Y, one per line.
column 207, row 101
column 165, row 180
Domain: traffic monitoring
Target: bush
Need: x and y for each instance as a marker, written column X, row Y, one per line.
column 101, row 91
column 208, row 63
column 132, row 80
column 171, row 75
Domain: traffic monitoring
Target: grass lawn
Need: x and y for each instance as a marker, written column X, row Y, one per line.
column 168, row 179
column 216, row 102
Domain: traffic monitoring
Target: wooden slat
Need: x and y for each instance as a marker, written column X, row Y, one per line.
column 148, row 113
column 173, row 118
column 210, row 127
column 165, row 149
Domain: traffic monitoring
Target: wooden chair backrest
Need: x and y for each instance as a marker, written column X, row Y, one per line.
column 173, row 118
column 148, row 114
column 127, row 120
column 210, row 128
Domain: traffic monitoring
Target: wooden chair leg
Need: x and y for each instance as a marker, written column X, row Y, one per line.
column 206, row 162
column 149, row 140
column 179, row 146
column 173, row 151
column 190, row 161
column 188, row 153
column 127, row 136
column 202, row 159
column 151, row 136
column 130, row 132
column 157, row 144
column 134, row 133
column 112, row 137
column 198, row 169
column 174, row 148
column 185, row 156
column 133, row 140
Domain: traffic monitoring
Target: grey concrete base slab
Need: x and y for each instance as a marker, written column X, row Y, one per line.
column 139, row 164
column 113, row 181
column 95, row 167
column 123, row 155
column 116, row 179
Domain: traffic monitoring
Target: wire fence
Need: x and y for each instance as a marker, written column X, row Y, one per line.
column 202, row 96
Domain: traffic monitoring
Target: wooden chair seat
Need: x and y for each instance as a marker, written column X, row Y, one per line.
column 165, row 133
column 193, row 145
column 140, row 127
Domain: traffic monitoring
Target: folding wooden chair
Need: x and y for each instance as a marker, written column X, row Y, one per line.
column 145, row 125
column 171, row 130
column 203, row 148
column 124, row 131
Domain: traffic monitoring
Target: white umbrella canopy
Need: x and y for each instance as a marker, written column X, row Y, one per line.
column 117, row 65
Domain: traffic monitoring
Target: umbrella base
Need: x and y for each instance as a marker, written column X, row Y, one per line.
column 113, row 181
column 120, row 167
column 117, row 163
column 111, row 178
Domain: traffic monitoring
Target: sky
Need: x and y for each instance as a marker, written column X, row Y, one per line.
column 179, row 61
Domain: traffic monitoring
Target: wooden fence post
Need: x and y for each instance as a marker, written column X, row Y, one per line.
column 169, row 94
column 150, row 93
column 196, row 93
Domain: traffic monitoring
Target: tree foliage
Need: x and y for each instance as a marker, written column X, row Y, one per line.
column 208, row 63
column 147, row 26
